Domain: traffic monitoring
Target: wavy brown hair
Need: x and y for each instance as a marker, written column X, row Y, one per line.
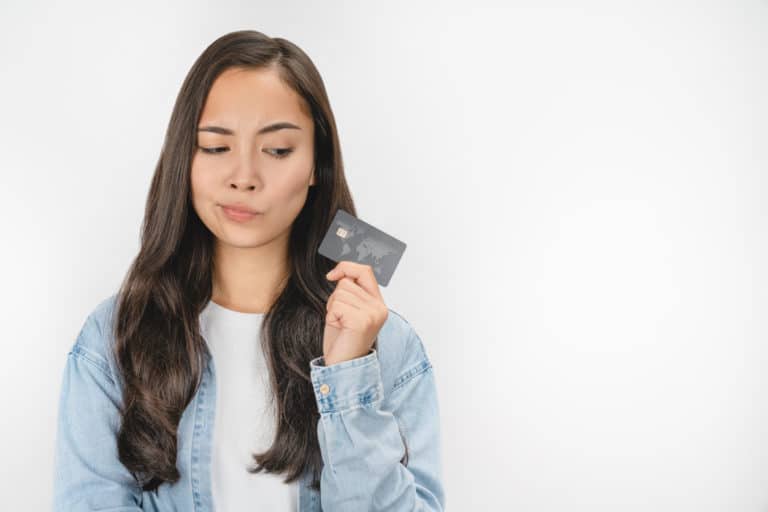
column 159, row 349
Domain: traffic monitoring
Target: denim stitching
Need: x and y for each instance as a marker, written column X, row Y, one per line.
column 84, row 354
column 418, row 369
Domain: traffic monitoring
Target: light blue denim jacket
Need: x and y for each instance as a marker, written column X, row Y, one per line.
column 369, row 405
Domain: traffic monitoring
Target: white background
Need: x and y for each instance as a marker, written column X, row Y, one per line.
column 582, row 187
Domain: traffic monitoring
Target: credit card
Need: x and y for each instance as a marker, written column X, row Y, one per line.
column 351, row 239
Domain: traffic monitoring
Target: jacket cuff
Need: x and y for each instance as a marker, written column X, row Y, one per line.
column 346, row 385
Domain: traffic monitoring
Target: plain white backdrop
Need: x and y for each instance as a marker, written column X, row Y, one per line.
column 582, row 187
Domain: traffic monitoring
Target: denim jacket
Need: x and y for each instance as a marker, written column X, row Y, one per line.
column 368, row 406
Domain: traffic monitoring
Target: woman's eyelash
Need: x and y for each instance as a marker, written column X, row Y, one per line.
column 283, row 155
column 287, row 151
column 210, row 150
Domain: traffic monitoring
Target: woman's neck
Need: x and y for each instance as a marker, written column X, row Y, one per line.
column 248, row 279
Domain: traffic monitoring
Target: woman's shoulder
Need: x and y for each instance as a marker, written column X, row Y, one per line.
column 95, row 339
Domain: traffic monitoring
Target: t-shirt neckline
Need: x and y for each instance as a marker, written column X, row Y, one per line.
column 221, row 310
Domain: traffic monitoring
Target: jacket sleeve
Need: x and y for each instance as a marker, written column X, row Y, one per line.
column 87, row 473
column 363, row 435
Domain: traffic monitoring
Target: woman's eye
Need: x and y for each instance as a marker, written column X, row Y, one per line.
column 211, row 150
column 286, row 152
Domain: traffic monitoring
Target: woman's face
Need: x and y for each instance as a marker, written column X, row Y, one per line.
column 268, row 172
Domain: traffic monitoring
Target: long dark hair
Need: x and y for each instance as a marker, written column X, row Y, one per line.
column 159, row 349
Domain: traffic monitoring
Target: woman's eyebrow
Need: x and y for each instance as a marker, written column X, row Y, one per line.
column 269, row 128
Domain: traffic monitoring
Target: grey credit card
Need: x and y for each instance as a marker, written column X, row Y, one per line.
column 351, row 239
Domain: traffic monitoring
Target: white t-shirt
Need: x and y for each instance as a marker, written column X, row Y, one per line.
column 245, row 414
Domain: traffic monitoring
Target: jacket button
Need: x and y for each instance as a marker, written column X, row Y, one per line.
column 324, row 389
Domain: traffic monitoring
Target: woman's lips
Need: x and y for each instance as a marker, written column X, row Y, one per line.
column 238, row 215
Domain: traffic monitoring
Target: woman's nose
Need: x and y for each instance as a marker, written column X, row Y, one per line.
column 246, row 175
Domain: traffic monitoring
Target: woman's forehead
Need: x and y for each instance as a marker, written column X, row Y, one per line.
column 254, row 96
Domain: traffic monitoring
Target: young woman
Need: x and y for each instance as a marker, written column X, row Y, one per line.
column 232, row 369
